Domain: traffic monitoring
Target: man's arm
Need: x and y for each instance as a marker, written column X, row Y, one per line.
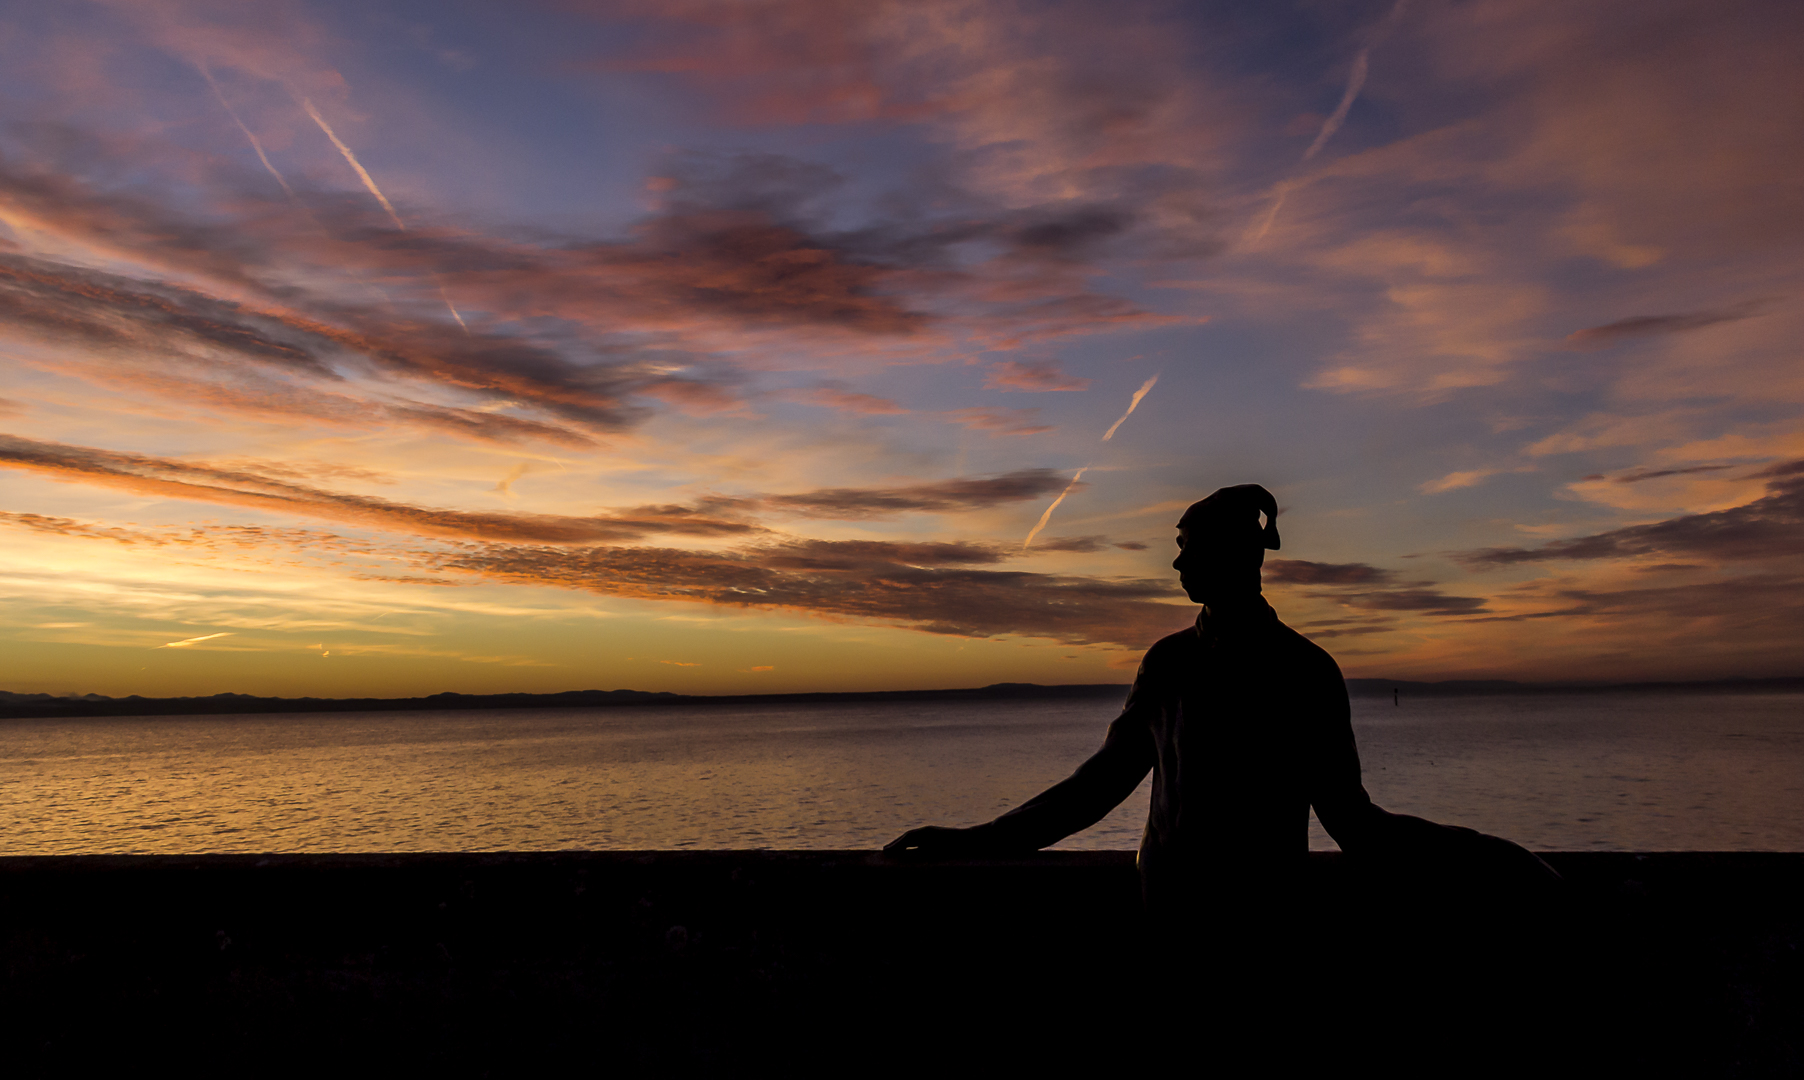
column 1414, row 844
column 1335, row 788
column 1071, row 805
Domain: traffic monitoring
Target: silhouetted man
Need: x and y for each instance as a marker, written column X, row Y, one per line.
column 1244, row 724
column 1433, row 960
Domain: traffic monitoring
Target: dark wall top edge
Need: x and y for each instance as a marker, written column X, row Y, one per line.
column 528, row 859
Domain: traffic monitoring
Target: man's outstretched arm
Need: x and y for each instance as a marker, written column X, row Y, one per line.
column 1336, row 789
column 1403, row 841
column 1071, row 805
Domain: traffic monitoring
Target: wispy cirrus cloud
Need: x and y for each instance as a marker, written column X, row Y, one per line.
column 1081, row 544
column 1655, row 325
column 848, row 555
column 1422, row 601
column 1000, row 420
column 944, row 496
column 1366, row 587
column 207, row 352
column 1770, row 527
column 868, row 584
column 838, row 396
column 147, row 474
column 164, row 477
column 1636, row 476
column 1303, row 572
column 737, row 247
column 942, row 587
column 1057, row 108
column 1466, row 478
column 1033, row 376
column 1567, row 159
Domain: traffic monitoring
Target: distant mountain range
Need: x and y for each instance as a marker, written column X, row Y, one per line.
column 22, row 705
column 1465, row 687
column 42, row 705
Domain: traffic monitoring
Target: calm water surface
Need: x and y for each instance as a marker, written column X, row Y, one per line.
column 1630, row 771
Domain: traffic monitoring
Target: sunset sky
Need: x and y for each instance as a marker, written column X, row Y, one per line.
column 383, row 348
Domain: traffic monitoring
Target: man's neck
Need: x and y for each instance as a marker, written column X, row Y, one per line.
column 1235, row 610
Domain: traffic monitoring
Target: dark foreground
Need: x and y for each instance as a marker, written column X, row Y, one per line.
column 630, row 963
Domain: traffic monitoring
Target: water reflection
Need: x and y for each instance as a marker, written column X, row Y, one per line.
column 1631, row 771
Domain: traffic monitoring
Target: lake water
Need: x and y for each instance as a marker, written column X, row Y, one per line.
column 1640, row 772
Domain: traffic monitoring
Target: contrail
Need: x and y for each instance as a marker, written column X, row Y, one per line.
column 452, row 308
column 370, row 183
column 1047, row 516
column 362, row 173
column 1356, row 80
column 1132, row 405
column 256, row 144
column 1271, row 215
column 189, row 641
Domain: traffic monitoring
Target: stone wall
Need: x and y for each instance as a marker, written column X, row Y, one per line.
column 649, row 962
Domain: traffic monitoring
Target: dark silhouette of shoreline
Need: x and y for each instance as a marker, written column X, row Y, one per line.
column 40, row 705
column 1479, row 687
column 24, row 706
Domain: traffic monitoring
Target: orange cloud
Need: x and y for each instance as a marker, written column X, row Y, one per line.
column 171, row 479
column 871, row 586
column 943, row 496
column 262, row 491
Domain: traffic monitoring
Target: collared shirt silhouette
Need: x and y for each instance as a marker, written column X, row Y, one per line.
column 1245, row 725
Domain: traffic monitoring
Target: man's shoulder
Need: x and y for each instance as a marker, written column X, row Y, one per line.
column 1305, row 651
column 1173, row 652
column 1171, row 645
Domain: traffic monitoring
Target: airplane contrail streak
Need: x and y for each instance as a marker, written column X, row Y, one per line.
column 449, row 306
column 1047, row 516
column 189, row 641
column 1270, row 215
column 1356, row 80
column 362, row 173
column 369, row 182
column 256, row 144
column 1132, row 405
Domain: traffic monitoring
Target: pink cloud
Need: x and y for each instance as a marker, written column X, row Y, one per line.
column 1034, row 377
column 844, row 400
column 1001, row 421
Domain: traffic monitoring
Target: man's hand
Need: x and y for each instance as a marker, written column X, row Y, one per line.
column 939, row 840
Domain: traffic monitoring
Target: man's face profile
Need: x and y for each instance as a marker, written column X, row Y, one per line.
column 1217, row 562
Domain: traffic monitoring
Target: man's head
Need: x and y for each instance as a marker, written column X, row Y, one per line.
column 1222, row 543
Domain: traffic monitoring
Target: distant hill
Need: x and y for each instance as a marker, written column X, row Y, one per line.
column 45, row 705
column 1465, row 687
column 40, row 705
